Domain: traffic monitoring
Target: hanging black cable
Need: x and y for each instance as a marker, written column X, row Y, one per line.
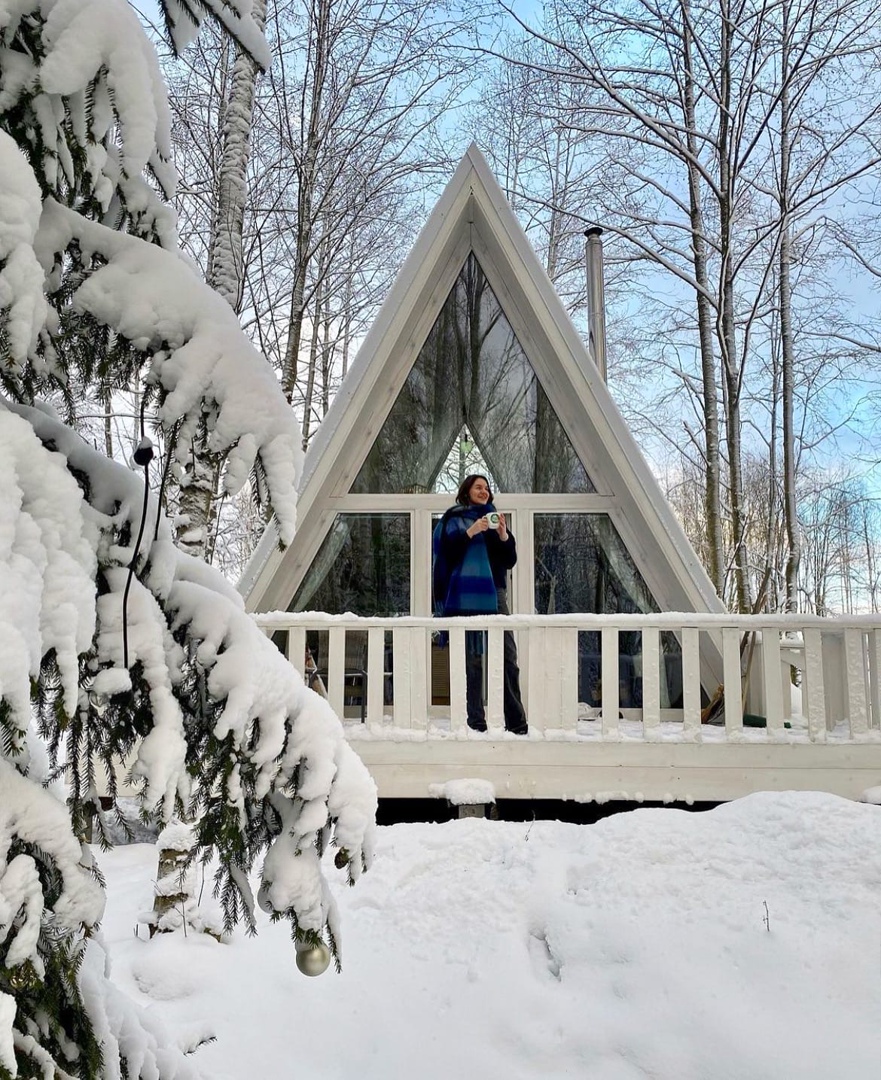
column 143, row 456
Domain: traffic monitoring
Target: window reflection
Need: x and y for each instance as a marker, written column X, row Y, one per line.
column 363, row 566
column 472, row 374
column 582, row 565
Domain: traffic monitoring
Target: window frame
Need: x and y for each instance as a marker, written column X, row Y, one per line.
column 521, row 505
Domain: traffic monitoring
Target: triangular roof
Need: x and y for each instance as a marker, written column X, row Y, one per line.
column 474, row 215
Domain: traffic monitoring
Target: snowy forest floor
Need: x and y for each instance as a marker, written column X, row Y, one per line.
column 743, row 943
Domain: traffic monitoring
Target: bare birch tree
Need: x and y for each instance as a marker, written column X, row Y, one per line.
column 299, row 187
column 198, row 481
column 709, row 107
column 360, row 90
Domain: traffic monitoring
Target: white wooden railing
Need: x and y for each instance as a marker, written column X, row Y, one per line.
column 838, row 665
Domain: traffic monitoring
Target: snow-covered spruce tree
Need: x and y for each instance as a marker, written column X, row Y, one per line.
column 112, row 642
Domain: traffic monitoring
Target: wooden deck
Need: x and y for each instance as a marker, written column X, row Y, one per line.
column 605, row 723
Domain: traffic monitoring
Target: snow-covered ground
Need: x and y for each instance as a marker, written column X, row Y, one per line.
column 739, row 944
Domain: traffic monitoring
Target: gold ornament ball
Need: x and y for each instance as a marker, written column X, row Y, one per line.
column 313, row 959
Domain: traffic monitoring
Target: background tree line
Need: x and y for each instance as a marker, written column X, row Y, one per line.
column 730, row 151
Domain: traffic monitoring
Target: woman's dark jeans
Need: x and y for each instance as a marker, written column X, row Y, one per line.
column 475, row 651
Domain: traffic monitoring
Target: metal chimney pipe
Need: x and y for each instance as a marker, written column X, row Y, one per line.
column 596, row 296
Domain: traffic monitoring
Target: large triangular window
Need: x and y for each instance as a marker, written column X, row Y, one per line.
column 472, row 386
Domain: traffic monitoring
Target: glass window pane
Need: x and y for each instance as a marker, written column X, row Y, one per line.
column 581, row 564
column 363, row 566
column 472, row 384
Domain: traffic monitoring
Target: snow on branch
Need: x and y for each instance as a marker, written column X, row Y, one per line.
column 21, row 276
column 32, row 815
column 47, row 568
column 128, row 1033
column 88, row 125
column 203, row 365
column 100, row 119
column 222, row 700
column 34, row 822
column 94, row 36
column 184, row 17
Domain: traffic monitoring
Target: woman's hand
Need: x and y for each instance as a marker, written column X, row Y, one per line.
column 479, row 526
column 503, row 528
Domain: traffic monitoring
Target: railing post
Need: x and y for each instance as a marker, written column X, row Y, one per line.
column 732, row 679
column 336, row 667
column 855, row 681
column 609, row 688
column 297, row 648
column 813, row 686
column 651, row 683
column 401, row 664
column 568, row 678
column 835, row 698
column 536, row 699
column 495, row 706
column 557, row 679
column 458, row 700
column 420, row 691
column 874, row 647
column 691, row 683
column 375, row 674
column 771, row 676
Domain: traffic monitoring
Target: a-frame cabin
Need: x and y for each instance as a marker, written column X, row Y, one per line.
column 473, row 365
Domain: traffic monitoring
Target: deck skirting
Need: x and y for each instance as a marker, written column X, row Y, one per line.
column 593, row 771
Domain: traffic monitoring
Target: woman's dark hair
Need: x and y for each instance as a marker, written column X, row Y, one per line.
column 463, row 495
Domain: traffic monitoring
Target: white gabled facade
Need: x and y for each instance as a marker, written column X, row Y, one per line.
column 473, row 216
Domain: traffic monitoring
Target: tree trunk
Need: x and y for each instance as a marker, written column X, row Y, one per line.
column 790, row 509
column 772, row 531
column 310, row 390
column 318, row 321
column 327, row 351
column 307, row 179
column 712, row 459
column 198, row 483
column 225, row 262
column 726, row 325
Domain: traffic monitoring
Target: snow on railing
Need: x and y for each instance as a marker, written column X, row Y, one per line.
column 678, row 675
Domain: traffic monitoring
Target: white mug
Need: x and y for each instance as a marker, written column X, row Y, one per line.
column 493, row 518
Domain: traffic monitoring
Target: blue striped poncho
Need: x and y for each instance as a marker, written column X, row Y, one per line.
column 462, row 577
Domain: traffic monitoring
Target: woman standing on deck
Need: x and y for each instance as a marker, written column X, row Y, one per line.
column 472, row 554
